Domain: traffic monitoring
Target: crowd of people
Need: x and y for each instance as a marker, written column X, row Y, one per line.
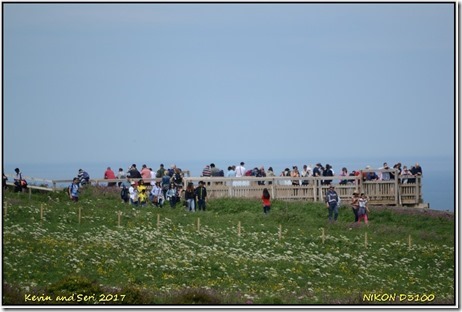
column 386, row 173
column 170, row 187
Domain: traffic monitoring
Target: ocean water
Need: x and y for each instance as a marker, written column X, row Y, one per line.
column 438, row 183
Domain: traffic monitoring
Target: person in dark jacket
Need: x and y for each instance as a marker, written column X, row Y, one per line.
column 201, row 195
column 331, row 203
column 133, row 173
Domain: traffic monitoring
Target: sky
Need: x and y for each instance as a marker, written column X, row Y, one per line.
column 150, row 82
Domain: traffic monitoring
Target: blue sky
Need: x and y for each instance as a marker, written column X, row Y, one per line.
column 150, row 82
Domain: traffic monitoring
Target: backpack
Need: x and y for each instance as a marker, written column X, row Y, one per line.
column 124, row 193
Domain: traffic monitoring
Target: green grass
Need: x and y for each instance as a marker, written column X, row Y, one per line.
column 175, row 263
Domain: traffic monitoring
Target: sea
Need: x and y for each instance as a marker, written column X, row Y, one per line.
column 438, row 182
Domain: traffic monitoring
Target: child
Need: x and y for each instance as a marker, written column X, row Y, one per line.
column 143, row 197
column 363, row 209
column 73, row 190
column 266, row 201
column 201, row 194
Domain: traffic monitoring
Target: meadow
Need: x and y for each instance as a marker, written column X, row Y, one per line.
column 101, row 251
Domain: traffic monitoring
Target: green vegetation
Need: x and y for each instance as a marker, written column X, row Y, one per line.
column 161, row 256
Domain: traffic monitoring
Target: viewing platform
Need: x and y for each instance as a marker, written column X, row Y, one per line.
column 399, row 191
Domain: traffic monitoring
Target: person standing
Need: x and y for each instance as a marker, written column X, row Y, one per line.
column 355, row 204
column 145, row 174
column 306, row 172
column 384, row 175
column 190, row 197
column 157, row 196
column 416, row 171
column 84, row 177
column 124, row 193
column 160, row 172
column 240, row 170
column 133, row 194
column 201, row 194
column 362, row 209
column 109, row 175
column 270, row 173
column 328, row 172
column 172, row 194
column 19, row 182
column 73, row 190
column 165, row 183
column 153, row 177
column 332, row 203
column 133, row 172
column 121, row 175
column 177, row 178
column 266, row 200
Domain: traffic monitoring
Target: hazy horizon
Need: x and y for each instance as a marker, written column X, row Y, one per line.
column 234, row 81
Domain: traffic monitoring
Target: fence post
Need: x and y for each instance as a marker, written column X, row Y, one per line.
column 315, row 190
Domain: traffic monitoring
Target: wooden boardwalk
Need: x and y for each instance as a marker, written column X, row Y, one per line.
column 394, row 192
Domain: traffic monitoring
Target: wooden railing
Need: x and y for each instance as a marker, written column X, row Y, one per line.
column 388, row 193
column 393, row 192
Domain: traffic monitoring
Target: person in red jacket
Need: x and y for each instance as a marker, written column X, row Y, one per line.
column 266, row 201
column 109, row 175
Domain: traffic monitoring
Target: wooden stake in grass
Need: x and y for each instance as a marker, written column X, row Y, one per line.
column 323, row 236
column 198, row 224
column 6, row 208
column 80, row 214
column 239, row 229
column 410, row 241
column 365, row 240
column 41, row 212
column 158, row 221
column 119, row 213
column 280, row 232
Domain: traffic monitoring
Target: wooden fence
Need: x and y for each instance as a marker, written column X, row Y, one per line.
column 395, row 192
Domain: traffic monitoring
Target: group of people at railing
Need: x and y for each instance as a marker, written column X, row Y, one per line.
column 386, row 173
column 174, row 176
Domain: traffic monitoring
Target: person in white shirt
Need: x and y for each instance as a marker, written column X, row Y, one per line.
column 153, row 177
column 240, row 170
column 133, row 194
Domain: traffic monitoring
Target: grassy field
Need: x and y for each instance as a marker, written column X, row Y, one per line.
column 59, row 252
